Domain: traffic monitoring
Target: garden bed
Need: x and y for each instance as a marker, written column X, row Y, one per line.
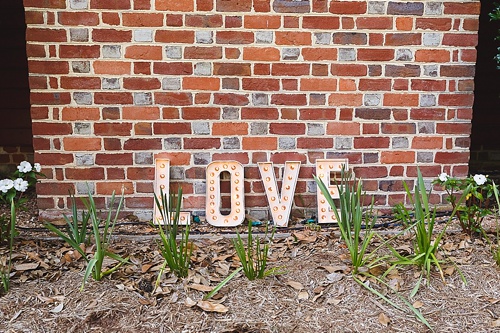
column 317, row 293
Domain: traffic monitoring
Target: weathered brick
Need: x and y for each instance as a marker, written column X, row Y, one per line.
column 291, row 6
column 405, row 8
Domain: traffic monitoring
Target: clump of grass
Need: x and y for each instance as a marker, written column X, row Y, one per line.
column 422, row 222
column 177, row 255
column 254, row 258
column 6, row 267
column 102, row 230
column 356, row 225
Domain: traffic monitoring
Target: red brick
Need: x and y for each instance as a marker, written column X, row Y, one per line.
column 110, row 4
column 139, row 83
column 290, row 69
column 234, row 37
column 180, row 5
column 374, row 84
column 293, row 38
column 229, row 128
column 400, row 39
column 232, row 69
column 113, row 98
column 45, row 35
column 108, row 188
column 348, row 7
column 206, row 53
column 260, row 143
column 78, row 18
column 400, row 99
column 80, row 113
column 371, row 142
column 171, row 128
column 262, row 22
column 398, row 128
column 370, row 172
column 112, row 129
column 202, row 143
column 81, row 144
column 140, row 113
column 68, row 82
column 173, row 68
column 451, row 158
column 392, row 157
column 320, row 22
column 48, row 67
column 111, row 35
column 45, row 4
column 382, row 23
column 439, row 24
column 204, row 21
column 453, row 128
column 256, row 84
column 457, row 70
column 314, row 143
column 233, row 5
column 201, row 83
column 114, row 159
column 239, row 157
column 173, row 98
column 287, row 128
column 111, row 67
column 471, row 24
column 348, row 70
column 231, row 99
column 142, row 144
column 428, row 85
column 174, row 36
column 142, row 19
column 289, row 99
column 79, row 51
column 428, row 114
column 198, row 113
column 259, row 113
column 427, row 142
column 41, row 98
column 110, row 18
column 456, row 99
column 460, row 40
column 317, row 114
column 35, row 51
column 144, row 52
column 433, row 55
column 341, row 128
column 319, row 54
column 261, row 53
column 342, row 99
column 471, row 8
column 39, row 128
column 375, row 54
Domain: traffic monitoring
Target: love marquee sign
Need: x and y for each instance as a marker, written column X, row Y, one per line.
column 280, row 201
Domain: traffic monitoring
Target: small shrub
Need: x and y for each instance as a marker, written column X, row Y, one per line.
column 177, row 255
column 254, row 258
column 102, row 229
column 477, row 203
column 352, row 219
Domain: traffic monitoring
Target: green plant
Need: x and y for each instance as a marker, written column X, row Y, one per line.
column 177, row 255
column 254, row 258
column 222, row 284
column 422, row 223
column 14, row 188
column 7, row 266
column 495, row 249
column 477, row 203
column 102, row 230
column 352, row 219
column 75, row 229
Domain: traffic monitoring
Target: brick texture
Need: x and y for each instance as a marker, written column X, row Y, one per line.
column 116, row 83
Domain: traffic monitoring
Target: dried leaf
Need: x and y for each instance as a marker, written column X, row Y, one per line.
column 295, row 285
column 495, row 323
column 449, row 271
column 146, row 267
column 305, row 237
column 334, row 301
column 27, row 266
column 200, row 287
column 58, row 308
column 189, row 302
column 212, row 307
column 333, row 269
column 383, row 319
column 418, row 304
column 334, row 277
column 303, row 295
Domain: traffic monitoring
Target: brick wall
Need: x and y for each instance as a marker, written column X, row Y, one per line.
column 386, row 84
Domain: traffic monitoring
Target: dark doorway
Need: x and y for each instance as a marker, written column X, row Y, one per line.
column 16, row 139
column 485, row 138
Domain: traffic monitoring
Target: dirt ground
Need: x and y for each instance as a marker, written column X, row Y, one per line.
column 316, row 294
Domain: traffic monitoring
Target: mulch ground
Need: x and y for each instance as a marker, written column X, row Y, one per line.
column 316, row 294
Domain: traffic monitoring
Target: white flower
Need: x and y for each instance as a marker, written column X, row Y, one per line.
column 480, row 179
column 24, row 167
column 6, row 184
column 20, row 185
column 37, row 167
column 443, row 177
